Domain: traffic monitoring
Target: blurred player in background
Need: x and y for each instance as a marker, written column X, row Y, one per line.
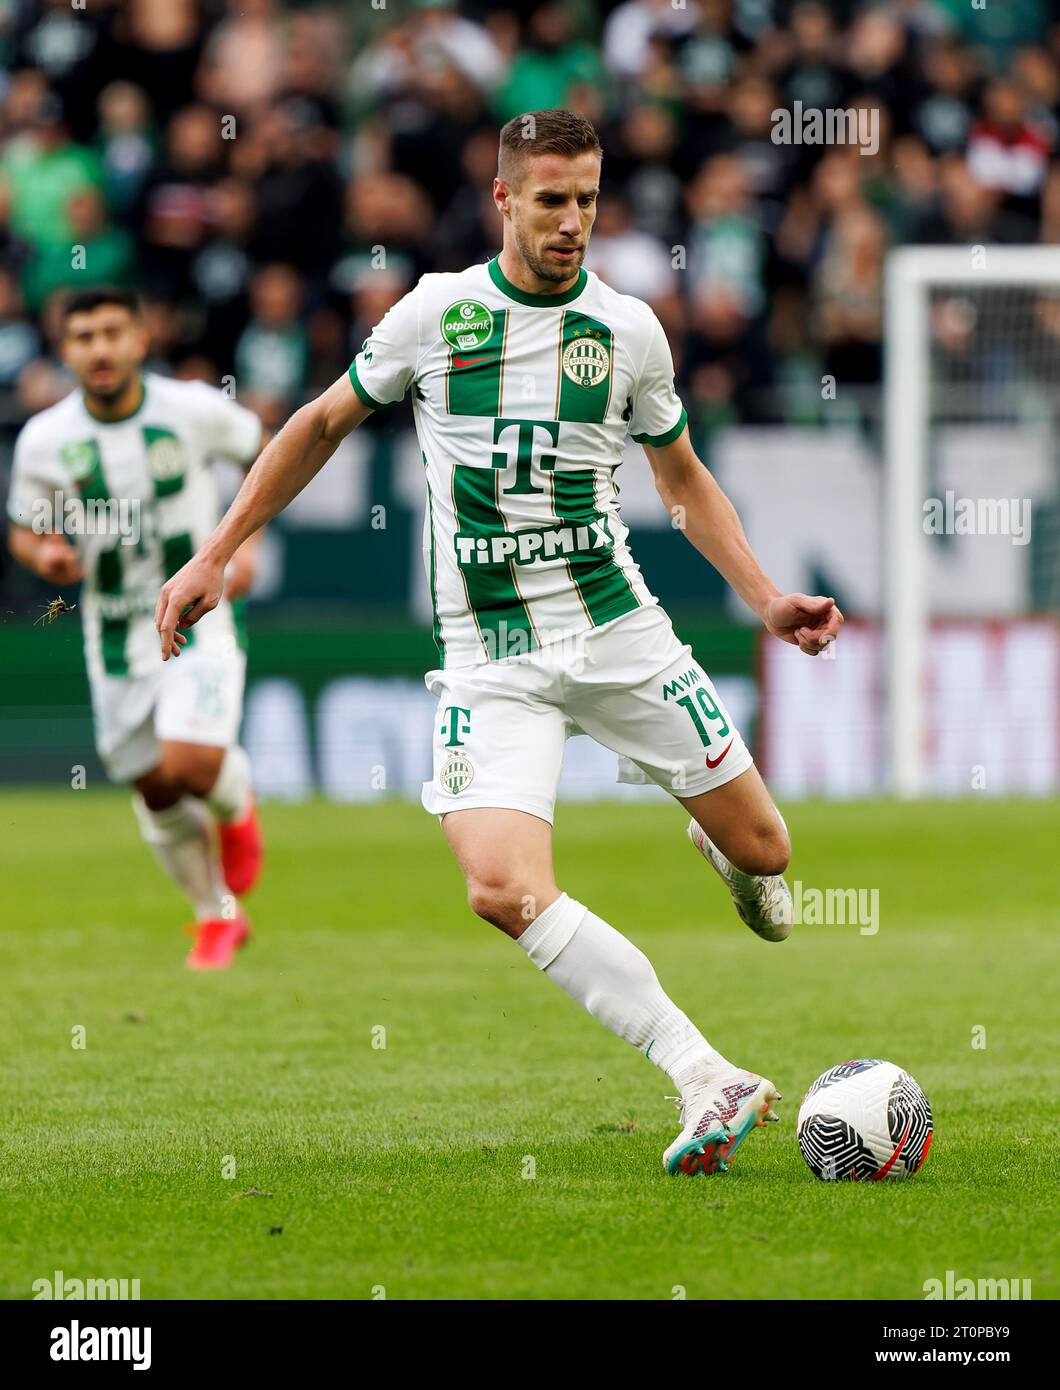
column 527, row 373
column 124, row 464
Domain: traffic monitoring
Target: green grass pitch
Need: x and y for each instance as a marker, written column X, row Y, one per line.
column 405, row 1168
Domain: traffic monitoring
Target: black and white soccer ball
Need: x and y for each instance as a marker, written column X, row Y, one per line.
column 864, row 1120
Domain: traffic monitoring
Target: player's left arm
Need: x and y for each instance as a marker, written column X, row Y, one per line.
column 236, row 433
column 242, row 569
column 710, row 522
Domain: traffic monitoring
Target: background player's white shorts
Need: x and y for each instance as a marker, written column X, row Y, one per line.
column 501, row 727
column 196, row 697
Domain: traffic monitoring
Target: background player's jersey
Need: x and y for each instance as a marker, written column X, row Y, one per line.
column 149, row 479
column 522, row 405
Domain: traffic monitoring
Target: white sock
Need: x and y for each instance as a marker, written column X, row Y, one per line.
column 182, row 843
column 615, row 981
column 229, row 797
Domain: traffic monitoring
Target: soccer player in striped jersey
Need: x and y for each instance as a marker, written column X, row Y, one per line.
column 527, row 374
column 114, row 486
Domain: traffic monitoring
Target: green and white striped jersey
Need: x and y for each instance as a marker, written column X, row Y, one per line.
column 137, row 497
column 522, row 405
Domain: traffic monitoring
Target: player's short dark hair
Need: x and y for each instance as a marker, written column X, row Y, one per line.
column 84, row 301
column 553, row 131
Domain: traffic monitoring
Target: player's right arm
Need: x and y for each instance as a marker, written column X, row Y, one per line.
column 287, row 464
column 380, row 375
column 36, row 478
column 51, row 557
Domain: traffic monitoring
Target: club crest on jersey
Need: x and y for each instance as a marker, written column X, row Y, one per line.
column 165, row 457
column 586, row 362
column 466, row 324
column 457, row 773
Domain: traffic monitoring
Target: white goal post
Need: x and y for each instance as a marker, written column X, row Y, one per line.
column 912, row 273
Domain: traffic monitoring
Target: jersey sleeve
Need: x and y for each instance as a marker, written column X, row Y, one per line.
column 384, row 368
column 230, row 430
column 658, row 417
column 36, row 476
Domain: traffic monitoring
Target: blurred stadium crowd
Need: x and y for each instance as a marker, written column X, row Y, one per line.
column 272, row 176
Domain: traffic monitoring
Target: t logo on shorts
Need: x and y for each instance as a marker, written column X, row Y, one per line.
column 457, row 726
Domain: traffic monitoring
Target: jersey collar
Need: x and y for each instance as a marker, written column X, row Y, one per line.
column 535, row 301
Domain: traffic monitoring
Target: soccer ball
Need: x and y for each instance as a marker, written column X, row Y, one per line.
column 864, row 1119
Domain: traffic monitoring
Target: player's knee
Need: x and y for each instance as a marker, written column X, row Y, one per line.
column 501, row 903
column 194, row 770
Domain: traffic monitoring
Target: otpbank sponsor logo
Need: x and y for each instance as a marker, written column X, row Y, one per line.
column 533, row 543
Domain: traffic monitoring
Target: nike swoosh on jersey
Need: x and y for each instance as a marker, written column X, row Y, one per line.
column 721, row 756
column 459, row 362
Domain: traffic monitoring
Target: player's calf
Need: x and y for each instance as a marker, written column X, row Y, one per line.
column 742, row 822
column 173, row 806
column 762, row 901
column 506, row 859
column 757, row 845
column 742, row 836
column 764, row 850
column 231, row 800
column 220, row 777
column 181, row 840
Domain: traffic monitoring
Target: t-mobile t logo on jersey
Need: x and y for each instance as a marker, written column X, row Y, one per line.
column 528, row 454
column 455, row 722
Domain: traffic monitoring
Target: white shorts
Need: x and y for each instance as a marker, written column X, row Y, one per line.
column 196, row 697
column 630, row 684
